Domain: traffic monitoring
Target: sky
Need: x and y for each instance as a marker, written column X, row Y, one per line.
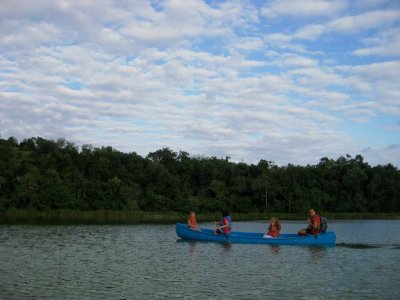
column 285, row 81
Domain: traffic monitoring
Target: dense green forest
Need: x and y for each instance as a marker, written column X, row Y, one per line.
column 43, row 174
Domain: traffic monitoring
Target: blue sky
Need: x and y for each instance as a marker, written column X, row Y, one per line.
column 286, row 81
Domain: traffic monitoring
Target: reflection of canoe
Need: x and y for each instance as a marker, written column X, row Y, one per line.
column 323, row 239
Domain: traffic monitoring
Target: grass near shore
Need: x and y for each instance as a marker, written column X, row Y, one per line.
column 60, row 217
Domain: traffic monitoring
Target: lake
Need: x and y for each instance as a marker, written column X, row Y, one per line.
column 150, row 262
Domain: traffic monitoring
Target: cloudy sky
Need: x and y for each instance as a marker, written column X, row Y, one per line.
column 287, row 81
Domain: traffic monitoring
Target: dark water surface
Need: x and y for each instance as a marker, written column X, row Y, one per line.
column 150, row 262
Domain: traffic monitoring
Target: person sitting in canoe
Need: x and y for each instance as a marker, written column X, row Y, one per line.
column 229, row 219
column 223, row 226
column 274, row 229
column 313, row 224
column 192, row 222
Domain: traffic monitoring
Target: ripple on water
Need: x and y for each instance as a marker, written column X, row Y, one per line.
column 358, row 246
column 148, row 262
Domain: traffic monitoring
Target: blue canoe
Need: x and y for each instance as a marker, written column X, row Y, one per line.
column 207, row 235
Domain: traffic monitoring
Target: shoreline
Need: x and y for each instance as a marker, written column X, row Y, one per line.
column 74, row 217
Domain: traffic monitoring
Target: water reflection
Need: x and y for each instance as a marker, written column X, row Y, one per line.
column 275, row 249
column 317, row 252
column 227, row 247
column 192, row 247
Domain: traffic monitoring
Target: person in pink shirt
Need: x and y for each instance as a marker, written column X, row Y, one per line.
column 224, row 226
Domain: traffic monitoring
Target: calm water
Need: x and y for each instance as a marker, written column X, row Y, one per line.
column 149, row 262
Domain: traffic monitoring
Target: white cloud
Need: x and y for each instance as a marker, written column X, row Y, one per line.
column 248, row 43
column 364, row 21
column 349, row 24
column 316, row 76
column 303, row 8
column 376, row 81
column 386, row 43
column 311, row 32
column 210, row 79
column 279, row 38
column 376, row 155
column 292, row 60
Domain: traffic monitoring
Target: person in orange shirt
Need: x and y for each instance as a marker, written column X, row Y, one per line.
column 191, row 221
column 313, row 224
column 274, row 229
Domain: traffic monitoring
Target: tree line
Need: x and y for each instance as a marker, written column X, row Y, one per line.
column 43, row 174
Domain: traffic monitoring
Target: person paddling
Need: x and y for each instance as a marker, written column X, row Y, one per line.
column 313, row 224
column 224, row 226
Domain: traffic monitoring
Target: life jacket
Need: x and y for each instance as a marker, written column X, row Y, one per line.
column 276, row 232
column 315, row 219
column 192, row 221
column 227, row 230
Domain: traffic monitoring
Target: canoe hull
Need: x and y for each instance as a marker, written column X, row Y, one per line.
column 207, row 235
